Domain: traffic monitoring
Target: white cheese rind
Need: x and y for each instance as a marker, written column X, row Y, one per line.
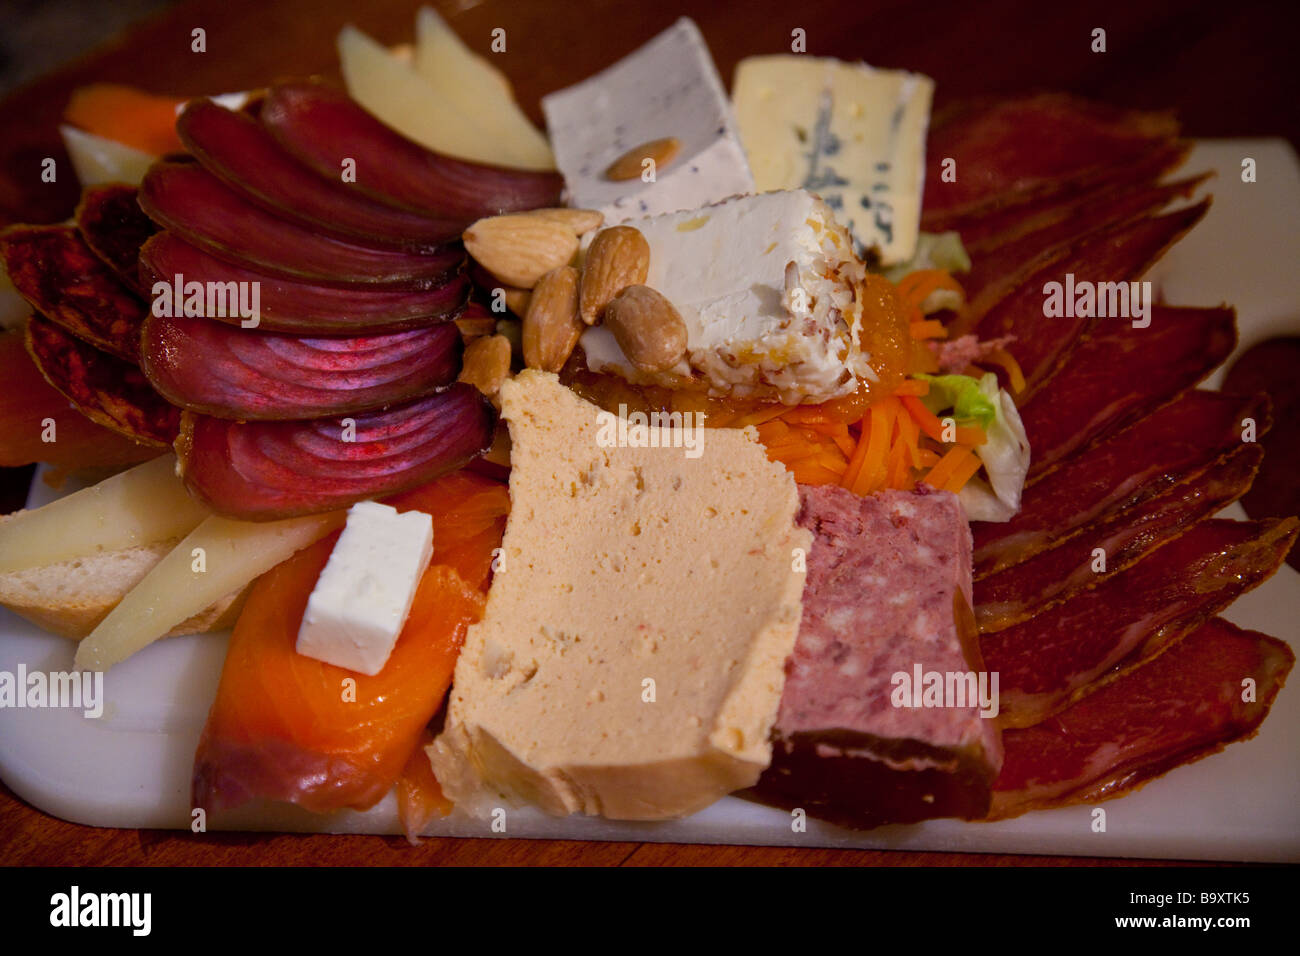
column 765, row 285
column 364, row 594
column 850, row 133
column 667, row 88
column 630, row 659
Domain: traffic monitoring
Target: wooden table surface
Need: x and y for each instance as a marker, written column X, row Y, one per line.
column 1225, row 68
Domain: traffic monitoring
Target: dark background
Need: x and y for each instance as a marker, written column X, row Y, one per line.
column 1225, row 68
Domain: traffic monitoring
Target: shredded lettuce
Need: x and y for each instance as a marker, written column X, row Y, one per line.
column 1004, row 454
column 934, row 250
column 963, row 395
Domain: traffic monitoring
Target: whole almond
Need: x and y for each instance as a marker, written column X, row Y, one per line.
column 518, row 248
column 487, row 363
column 632, row 163
column 551, row 326
column 517, row 300
column 474, row 326
column 647, row 327
column 617, row 258
column 581, row 221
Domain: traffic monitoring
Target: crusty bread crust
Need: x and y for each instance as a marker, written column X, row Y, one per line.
column 70, row 598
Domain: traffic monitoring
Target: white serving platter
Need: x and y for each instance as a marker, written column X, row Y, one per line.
column 131, row 767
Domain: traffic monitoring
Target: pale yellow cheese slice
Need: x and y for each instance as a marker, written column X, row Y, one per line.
column 402, row 99
column 218, row 557
column 477, row 88
column 143, row 505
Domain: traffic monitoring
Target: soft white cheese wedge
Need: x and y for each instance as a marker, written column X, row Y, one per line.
column 364, row 594
column 667, row 88
column 766, row 287
column 852, row 134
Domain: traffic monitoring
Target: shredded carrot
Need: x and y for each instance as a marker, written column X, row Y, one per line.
column 915, row 287
column 897, row 465
column 928, row 329
column 872, row 475
column 126, row 115
column 962, row 473
column 909, row 436
column 806, row 474
column 845, row 444
column 1015, row 377
column 925, row 418
column 859, row 454
column 807, row 449
column 938, row 475
column 837, row 432
column 883, row 447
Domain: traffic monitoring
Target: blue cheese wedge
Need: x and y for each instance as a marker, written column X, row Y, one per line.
column 766, row 287
column 850, row 133
column 668, row 88
column 631, row 657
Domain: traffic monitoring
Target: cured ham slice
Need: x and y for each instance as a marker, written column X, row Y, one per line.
column 989, row 230
column 190, row 201
column 29, row 404
column 1183, row 705
column 229, row 372
column 1120, row 255
column 306, row 308
column 322, row 127
column 1053, row 576
column 1120, row 373
column 115, row 227
column 66, row 282
column 107, row 390
column 1026, row 147
column 258, row 471
column 1052, row 658
column 1173, row 444
column 239, row 151
column 1270, row 367
column 996, row 272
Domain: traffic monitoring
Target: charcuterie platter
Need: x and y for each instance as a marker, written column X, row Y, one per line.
column 791, row 466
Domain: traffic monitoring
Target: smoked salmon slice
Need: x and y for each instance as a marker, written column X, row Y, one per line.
column 419, row 795
column 290, row 728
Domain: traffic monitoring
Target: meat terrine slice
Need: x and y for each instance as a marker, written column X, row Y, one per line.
column 887, row 597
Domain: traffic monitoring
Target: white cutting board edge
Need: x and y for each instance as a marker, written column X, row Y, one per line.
column 131, row 768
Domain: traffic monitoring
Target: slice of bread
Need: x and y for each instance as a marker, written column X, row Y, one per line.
column 71, row 597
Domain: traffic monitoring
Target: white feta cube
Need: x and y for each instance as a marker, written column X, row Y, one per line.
column 767, row 287
column 667, row 88
column 364, row 594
